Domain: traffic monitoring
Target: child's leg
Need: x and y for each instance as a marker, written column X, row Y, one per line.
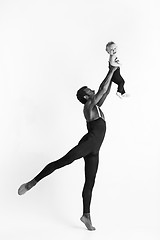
column 117, row 78
column 121, row 87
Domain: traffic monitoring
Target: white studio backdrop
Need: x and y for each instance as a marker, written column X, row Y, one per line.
column 49, row 49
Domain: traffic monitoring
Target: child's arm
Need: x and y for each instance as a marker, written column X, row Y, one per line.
column 114, row 61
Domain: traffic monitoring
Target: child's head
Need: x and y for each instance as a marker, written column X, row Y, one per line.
column 111, row 48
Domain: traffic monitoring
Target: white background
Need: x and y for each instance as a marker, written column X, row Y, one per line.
column 49, row 49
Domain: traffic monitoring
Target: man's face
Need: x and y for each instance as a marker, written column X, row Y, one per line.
column 89, row 92
column 113, row 49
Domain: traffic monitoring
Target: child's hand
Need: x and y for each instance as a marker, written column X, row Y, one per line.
column 117, row 61
column 114, row 61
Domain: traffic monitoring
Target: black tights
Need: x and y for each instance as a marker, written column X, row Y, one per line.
column 91, row 166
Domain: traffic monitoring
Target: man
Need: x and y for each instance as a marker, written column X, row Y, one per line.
column 88, row 147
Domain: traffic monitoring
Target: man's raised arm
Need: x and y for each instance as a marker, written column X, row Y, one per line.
column 104, row 86
column 106, row 82
column 101, row 101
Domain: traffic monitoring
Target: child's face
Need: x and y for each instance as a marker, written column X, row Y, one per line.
column 113, row 49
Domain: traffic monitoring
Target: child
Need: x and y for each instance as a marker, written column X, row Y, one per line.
column 111, row 48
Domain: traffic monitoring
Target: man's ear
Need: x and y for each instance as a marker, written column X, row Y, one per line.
column 86, row 97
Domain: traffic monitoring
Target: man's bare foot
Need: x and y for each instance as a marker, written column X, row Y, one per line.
column 26, row 187
column 87, row 221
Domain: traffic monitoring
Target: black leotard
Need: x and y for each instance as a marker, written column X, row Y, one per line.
column 88, row 148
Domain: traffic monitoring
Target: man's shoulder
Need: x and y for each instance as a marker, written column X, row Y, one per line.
column 90, row 103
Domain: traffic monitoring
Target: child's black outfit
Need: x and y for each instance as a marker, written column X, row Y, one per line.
column 117, row 78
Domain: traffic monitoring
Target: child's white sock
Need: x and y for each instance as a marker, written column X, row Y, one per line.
column 119, row 94
column 125, row 95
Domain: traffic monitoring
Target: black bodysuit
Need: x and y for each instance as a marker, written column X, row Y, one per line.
column 88, row 148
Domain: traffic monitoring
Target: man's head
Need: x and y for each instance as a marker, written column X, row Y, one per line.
column 111, row 48
column 84, row 93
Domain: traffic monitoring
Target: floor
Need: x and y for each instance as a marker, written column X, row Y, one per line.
column 38, row 216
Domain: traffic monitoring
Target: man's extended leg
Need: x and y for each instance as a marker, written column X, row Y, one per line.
column 81, row 150
column 77, row 152
column 91, row 166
